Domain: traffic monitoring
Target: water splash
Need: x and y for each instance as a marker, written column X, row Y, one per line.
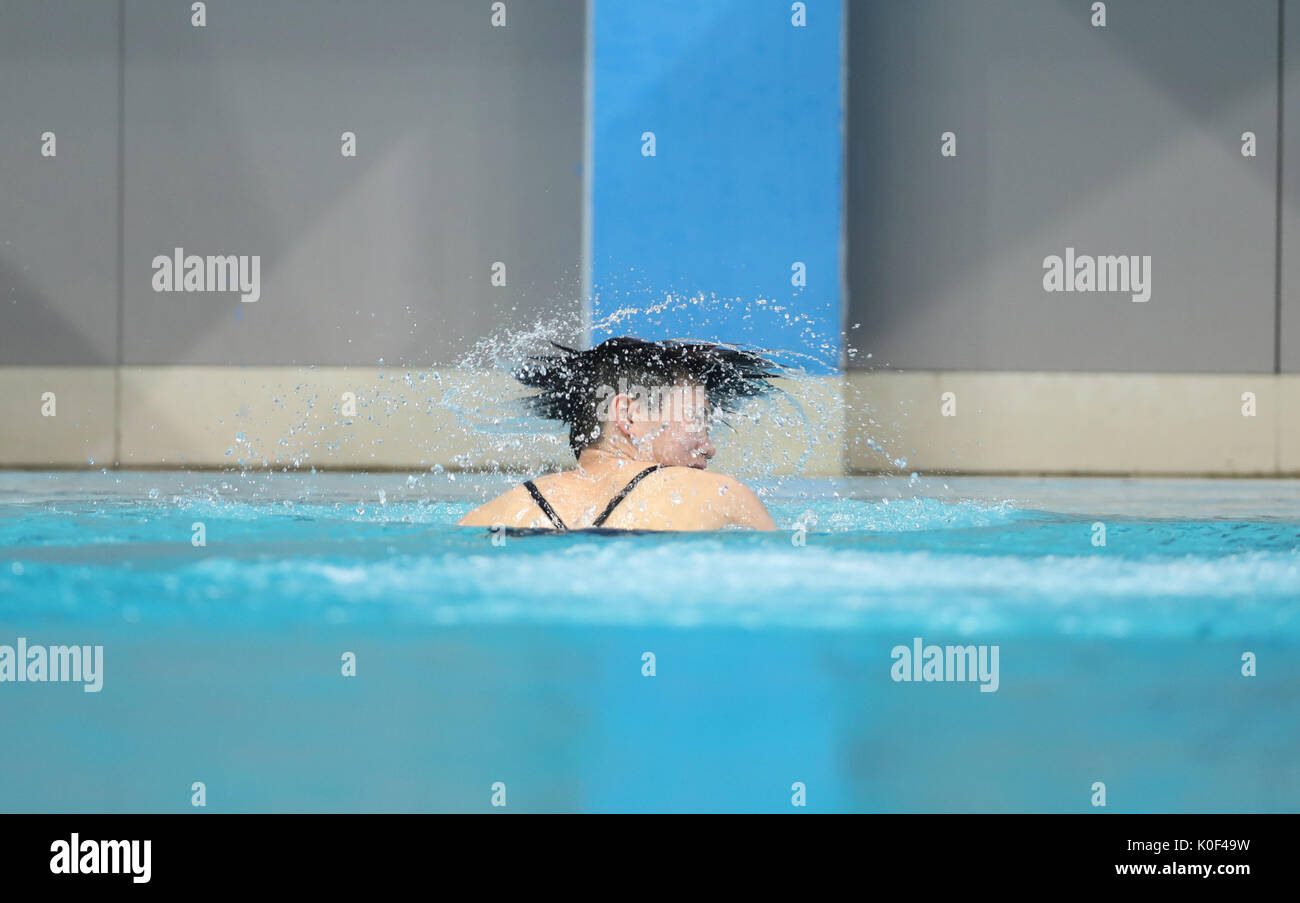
column 786, row 428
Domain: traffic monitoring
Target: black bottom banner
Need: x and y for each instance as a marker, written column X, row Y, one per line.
column 336, row 852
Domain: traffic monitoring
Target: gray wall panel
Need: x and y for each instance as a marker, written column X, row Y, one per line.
column 470, row 144
column 58, row 234
column 1115, row 140
column 1289, row 333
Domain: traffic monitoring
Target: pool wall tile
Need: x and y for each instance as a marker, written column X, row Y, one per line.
column 298, row 417
column 1288, row 435
column 80, row 430
column 1067, row 423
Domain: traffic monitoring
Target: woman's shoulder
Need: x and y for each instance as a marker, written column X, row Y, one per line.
column 507, row 507
column 712, row 482
column 727, row 496
column 695, row 475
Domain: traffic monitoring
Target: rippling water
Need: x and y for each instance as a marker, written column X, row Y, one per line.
column 860, row 562
column 1119, row 661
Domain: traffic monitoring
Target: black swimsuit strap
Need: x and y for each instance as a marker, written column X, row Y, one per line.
column 613, row 503
column 544, row 505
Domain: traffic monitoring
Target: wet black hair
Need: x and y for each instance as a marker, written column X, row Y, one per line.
column 570, row 382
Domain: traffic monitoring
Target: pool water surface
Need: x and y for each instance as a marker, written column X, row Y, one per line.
column 1143, row 635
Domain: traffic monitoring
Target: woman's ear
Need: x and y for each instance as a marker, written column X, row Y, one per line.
column 621, row 411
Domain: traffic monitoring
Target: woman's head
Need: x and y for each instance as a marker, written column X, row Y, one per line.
column 655, row 400
column 668, row 424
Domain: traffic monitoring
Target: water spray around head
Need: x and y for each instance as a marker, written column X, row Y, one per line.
column 780, row 420
column 573, row 384
column 471, row 414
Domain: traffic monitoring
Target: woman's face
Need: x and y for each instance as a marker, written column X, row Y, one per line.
column 670, row 425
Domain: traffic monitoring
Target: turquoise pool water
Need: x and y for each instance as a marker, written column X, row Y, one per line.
column 774, row 654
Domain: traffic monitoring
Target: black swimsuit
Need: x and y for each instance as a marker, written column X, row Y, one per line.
column 609, row 509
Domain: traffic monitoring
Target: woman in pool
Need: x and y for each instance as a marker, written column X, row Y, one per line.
column 638, row 415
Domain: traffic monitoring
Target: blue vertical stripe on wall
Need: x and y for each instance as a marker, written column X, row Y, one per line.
column 746, row 112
